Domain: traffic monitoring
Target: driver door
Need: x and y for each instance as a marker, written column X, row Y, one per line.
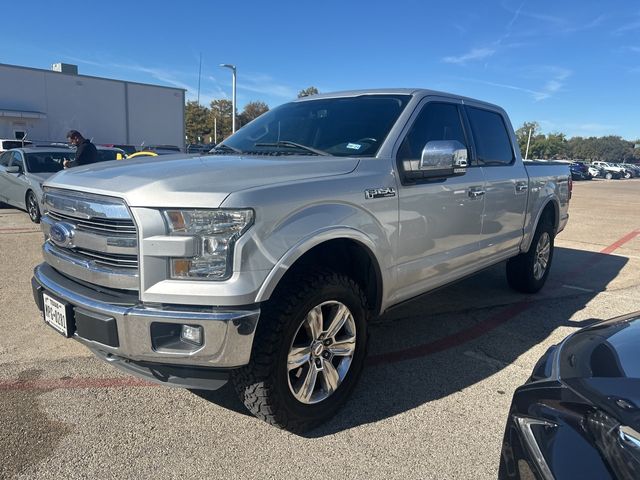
column 16, row 183
column 440, row 220
column 5, row 157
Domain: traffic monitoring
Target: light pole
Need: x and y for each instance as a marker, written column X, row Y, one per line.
column 233, row 101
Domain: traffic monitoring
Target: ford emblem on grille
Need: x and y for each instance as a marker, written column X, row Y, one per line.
column 62, row 234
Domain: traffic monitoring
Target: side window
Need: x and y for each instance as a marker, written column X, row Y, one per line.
column 493, row 146
column 436, row 121
column 4, row 159
column 17, row 160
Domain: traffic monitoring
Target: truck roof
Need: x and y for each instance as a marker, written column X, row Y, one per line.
column 394, row 91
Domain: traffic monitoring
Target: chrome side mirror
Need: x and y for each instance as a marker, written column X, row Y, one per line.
column 443, row 158
column 13, row 169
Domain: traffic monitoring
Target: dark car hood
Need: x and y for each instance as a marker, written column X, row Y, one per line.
column 602, row 364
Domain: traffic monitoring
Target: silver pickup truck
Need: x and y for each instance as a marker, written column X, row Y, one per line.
column 263, row 262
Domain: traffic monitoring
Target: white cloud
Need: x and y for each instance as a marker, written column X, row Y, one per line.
column 627, row 28
column 264, row 84
column 472, row 55
column 554, row 78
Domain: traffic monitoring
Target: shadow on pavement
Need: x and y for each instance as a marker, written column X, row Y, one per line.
column 391, row 385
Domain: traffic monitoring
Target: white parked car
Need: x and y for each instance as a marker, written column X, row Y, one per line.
column 611, row 170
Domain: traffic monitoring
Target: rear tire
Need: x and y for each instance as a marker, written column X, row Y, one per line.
column 308, row 351
column 33, row 209
column 608, row 175
column 528, row 271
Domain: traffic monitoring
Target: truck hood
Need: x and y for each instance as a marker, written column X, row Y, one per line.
column 196, row 182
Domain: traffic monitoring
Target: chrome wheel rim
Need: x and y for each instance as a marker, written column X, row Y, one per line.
column 32, row 207
column 543, row 251
column 321, row 352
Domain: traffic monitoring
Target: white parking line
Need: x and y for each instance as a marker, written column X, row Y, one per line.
column 573, row 287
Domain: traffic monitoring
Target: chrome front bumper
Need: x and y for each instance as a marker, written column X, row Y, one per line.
column 228, row 333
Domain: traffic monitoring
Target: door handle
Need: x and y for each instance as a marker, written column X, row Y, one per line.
column 522, row 186
column 475, row 192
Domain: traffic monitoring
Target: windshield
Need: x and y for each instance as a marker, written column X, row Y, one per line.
column 351, row 126
column 47, row 162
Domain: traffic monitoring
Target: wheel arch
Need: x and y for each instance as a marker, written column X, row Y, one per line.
column 345, row 250
column 551, row 210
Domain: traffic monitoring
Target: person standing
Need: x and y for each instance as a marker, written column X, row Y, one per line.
column 86, row 151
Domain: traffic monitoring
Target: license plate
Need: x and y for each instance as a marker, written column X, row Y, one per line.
column 55, row 314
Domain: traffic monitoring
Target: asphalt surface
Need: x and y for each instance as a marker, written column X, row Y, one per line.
column 432, row 402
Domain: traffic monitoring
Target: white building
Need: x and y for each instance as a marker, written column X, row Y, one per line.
column 46, row 104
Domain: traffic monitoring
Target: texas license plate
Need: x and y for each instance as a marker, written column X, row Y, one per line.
column 55, row 314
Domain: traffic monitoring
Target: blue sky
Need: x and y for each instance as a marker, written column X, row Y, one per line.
column 573, row 66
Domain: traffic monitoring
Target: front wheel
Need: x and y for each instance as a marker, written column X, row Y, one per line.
column 32, row 207
column 308, row 352
column 608, row 175
column 528, row 271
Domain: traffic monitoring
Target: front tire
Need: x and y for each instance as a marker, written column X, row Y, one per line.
column 528, row 271
column 308, row 352
column 33, row 209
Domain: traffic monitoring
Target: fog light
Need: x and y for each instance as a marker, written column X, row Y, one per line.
column 191, row 334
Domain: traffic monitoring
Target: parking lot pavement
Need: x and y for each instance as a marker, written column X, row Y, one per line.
column 431, row 403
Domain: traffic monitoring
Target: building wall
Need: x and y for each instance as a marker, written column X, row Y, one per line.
column 152, row 117
column 108, row 111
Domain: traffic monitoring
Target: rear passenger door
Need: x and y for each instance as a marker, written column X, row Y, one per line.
column 440, row 220
column 506, row 179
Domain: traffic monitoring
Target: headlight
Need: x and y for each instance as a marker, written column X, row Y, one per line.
column 619, row 444
column 215, row 232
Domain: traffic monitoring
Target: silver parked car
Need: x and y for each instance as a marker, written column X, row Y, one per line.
column 22, row 172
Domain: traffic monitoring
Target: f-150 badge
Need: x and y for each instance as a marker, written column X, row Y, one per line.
column 370, row 193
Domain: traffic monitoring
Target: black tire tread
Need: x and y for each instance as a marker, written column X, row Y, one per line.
column 30, row 193
column 254, row 383
column 519, row 269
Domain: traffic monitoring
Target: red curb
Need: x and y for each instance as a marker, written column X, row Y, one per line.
column 493, row 322
column 71, row 383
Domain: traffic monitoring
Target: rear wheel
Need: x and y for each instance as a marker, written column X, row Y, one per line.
column 32, row 207
column 308, row 352
column 528, row 271
column 608, row 175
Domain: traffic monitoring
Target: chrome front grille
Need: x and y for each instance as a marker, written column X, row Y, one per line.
column 91, row 237
column 103, row 226
column 109, row 260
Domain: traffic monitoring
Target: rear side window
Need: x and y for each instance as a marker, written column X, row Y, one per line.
column 493, row 146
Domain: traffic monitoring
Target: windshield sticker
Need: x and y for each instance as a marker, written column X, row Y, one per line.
column 354, row 146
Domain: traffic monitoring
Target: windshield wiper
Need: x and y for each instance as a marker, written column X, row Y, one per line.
column 221, row 147
column 287, row 143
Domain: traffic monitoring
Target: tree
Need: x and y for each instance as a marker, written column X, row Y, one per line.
column 252, row 110
column 196, row 122
column 308, row 91
column 221, row 111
